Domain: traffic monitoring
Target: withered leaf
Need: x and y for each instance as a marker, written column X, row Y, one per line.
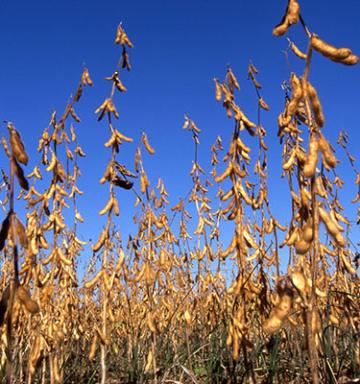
column 122, row 183
column 4, row 230
column 20, row 176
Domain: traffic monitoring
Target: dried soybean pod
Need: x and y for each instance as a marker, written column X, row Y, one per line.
column 327, row 152
column 272, row 325
column 331, row 227
column 218, row 91
column 328, row 50
column 225, row 174
column 93, row 347
column 108, row 206
column 302, row 246
column 299, row 282
column 347, row 264
column 292, row 237
column 309, row 167
column 307, row 231
column 147, row 145
column 293, row 12
column 290, row 161
column 89, row 284
column 297, row 94
column 5, row 146
column 85, row 78
column 350, row 60
column 24, row 297
column 17, row 146
column 291, row 16
column 149, row 362
column 281, row 28
column 101, row 241
column 297, row 51
column 316, row 105
column 34, row 354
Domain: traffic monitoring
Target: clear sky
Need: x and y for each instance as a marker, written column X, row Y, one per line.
column 180, row 46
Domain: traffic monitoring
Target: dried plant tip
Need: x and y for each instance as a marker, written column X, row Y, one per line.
column 122, row 38
column 232, row 81
column 85, row 78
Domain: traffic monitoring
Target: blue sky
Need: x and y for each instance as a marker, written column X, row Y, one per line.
column 180, row 46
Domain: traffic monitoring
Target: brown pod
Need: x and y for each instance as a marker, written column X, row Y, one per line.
column 34, row 355
column 316, row 105
column 327, row 152
column 350, row 60
column 331, row 227
column 272, row 325
column 5, row 146
column 302, row 246
column 293, row 12
column 297, row 51
column 101, row 241
column 291, row 16
column 299, row 282
column 122, row 183
column 218, row 91
column 24, row 297
column 85, row 78
column 297, row 95
column 93, row 347
column 281, row 28
column 309, row 167
column 147, row 145
column 328, row 50
column 17, row 146
column 307, row 232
